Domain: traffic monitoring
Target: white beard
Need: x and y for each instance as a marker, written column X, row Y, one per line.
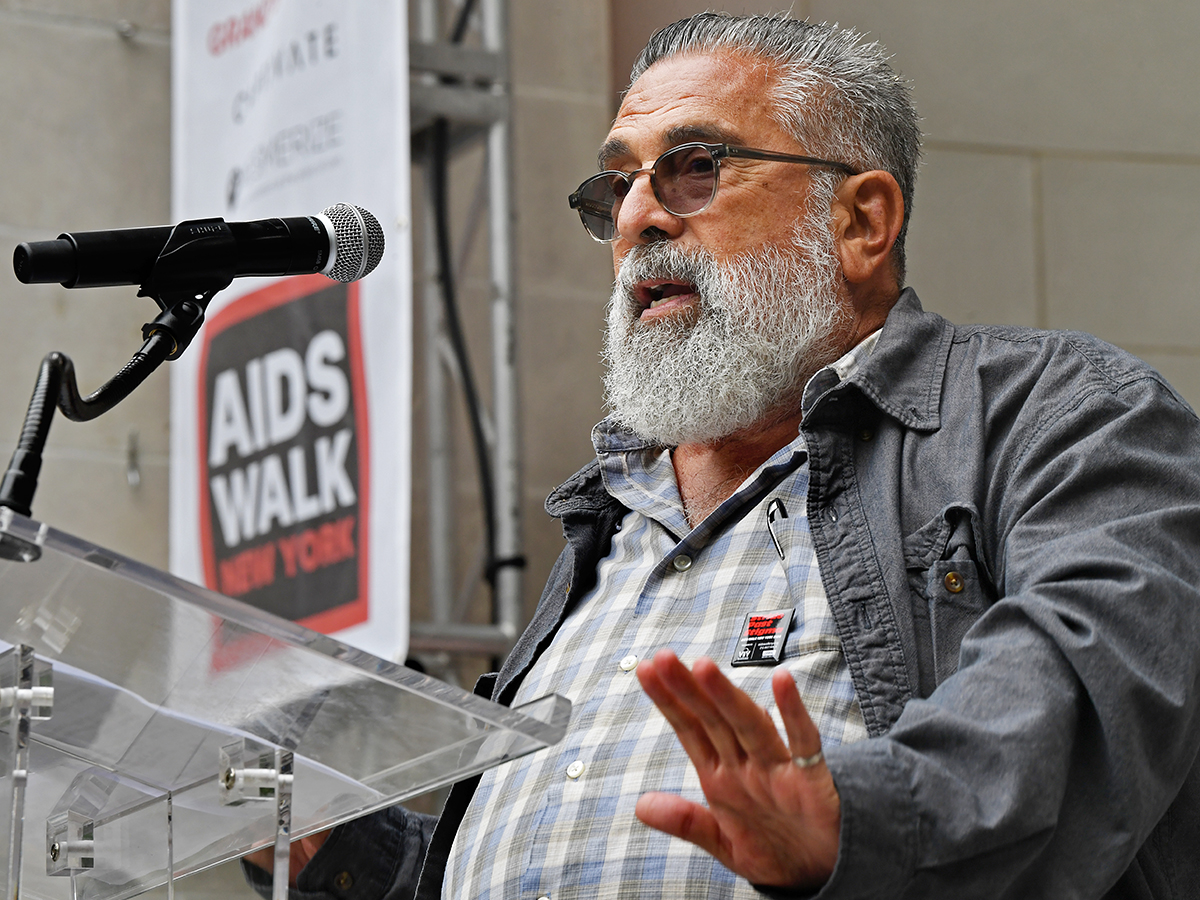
column 767, row 321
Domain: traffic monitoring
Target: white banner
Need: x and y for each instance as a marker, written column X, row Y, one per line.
column 291, row 411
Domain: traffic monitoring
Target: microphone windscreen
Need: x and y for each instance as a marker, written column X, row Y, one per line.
column 359, row 240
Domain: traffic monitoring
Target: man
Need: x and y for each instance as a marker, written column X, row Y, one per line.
column 928, row 594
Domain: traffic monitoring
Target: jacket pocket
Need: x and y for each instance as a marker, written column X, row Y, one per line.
column 950, row 589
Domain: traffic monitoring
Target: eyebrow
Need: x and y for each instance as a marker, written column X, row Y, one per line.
column 707, row 134
column 610, row 150
column 614, row 148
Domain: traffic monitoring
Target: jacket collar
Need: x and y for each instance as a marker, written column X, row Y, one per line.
column 583, row 492
column 905, row 373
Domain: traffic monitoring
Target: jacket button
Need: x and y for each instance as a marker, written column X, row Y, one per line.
column 865, row 435
column 954, row 582
column 343, row 881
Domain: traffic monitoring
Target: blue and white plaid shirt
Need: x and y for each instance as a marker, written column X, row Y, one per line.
column 559, row 823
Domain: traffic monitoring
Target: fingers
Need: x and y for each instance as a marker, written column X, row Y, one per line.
column 713, row 718
column 311, row 844
column 682, row 819
column 669, row 684
column 803, row 737
column 264, row 859
column 299, row 853
column 753, row 726
column 766, row 819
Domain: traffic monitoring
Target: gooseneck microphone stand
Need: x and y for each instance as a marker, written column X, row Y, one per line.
column 182, row 282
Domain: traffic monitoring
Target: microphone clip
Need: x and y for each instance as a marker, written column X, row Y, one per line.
column 185, row 278
column 197, row 261
column 180, row 322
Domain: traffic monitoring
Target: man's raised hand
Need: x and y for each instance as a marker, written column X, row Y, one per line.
column 770, row 817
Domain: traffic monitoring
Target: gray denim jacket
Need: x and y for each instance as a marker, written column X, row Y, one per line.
column 1008, row 527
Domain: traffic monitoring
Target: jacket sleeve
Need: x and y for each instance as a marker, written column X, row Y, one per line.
column 377, row 857
column 1040, row 765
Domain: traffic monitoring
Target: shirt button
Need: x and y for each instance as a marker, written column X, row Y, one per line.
column 682, row 563
column 628, row 663
column 575, row 769
column 954, row 582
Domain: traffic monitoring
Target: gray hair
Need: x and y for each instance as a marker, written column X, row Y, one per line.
column 835, row 92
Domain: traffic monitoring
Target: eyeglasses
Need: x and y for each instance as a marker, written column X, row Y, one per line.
column 684, row 179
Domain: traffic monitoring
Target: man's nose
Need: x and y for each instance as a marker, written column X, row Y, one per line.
column 641, row 218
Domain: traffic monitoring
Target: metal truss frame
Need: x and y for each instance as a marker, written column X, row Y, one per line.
column 468, row 87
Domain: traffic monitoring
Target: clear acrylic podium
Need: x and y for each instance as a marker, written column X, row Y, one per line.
column 150, row 728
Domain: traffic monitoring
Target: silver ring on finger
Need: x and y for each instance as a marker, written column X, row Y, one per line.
column 807, row 762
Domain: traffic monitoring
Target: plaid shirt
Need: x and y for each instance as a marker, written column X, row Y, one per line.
column 560, row 823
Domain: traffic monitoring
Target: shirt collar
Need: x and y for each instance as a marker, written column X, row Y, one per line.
column 838, row 371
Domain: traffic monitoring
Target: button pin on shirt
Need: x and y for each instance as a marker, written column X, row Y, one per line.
column 776, row 510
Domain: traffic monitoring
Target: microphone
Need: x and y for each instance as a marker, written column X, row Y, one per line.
column 344, row 242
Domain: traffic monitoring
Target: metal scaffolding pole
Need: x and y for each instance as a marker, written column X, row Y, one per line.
column 466, row 88
column 509, row 563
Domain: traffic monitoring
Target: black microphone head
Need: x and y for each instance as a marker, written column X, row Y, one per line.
column 359, row 241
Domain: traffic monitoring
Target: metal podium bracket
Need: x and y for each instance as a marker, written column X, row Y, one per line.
column 26, row 696
column 241, row 783
column 248, row 774
column 39, row 701
column 70, row 844
column 71, row 824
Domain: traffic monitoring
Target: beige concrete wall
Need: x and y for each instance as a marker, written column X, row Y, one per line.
column 1062, row 163
column 84, row 145
column 1062, row 169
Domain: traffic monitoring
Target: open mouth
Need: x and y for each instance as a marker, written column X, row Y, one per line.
column 653, row 294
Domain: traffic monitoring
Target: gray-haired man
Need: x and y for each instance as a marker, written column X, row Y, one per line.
column 918, row 603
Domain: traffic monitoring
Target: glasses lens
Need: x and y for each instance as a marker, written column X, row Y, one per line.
column 598, row 197
column 686, row 179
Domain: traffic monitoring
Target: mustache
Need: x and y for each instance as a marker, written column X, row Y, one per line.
column 665, row 261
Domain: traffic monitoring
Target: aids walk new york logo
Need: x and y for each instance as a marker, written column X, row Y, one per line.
column 284, row 453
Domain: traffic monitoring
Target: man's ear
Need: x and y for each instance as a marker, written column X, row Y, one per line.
column 866, row 216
